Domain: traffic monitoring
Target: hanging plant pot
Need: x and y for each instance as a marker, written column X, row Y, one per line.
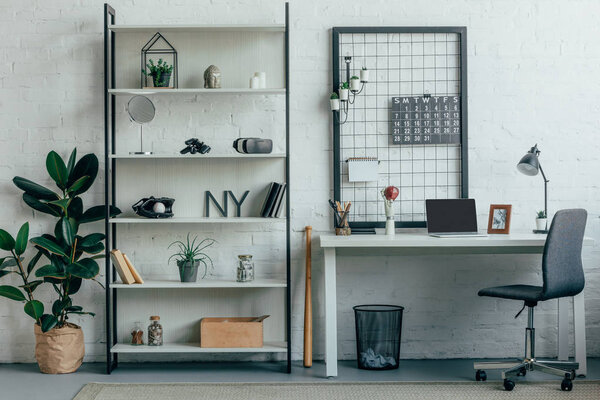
column 162, row 81
column 335, row 104
column 343, row 94
column 188, row 271
column 364, row 75
column 60, row 350
column 355, row 84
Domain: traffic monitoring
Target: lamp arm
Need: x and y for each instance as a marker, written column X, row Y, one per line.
column 545, row 194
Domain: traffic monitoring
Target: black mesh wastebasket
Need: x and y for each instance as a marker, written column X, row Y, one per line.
column 378, row 330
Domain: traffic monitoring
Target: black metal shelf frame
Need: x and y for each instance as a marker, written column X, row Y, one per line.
column 461, row 32
column 110, row 188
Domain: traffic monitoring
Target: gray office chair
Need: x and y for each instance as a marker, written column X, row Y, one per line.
column 563, row 277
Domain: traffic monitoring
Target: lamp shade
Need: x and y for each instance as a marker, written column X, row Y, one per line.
column 529, row 164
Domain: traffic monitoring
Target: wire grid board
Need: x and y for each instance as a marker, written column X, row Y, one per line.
column 403, row 62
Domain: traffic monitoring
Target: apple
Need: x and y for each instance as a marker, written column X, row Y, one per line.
column 391, row 192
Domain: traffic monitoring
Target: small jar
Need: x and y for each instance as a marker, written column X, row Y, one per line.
column 137, row 335
column 245, row 269
column 155, row 332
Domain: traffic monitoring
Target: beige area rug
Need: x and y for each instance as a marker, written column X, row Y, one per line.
column 544, row 390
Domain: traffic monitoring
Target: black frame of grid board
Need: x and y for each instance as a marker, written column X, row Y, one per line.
column 337, row 173
column 110, row 188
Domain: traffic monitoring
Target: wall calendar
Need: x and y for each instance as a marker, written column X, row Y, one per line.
column 425, row 120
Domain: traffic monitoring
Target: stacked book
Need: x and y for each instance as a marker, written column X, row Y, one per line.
column 273, row 204
column 125, row 268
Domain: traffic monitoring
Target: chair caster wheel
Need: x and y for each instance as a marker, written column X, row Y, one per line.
column 566, row 385
column 522, row 372
column 480, row 375
column 509, row 385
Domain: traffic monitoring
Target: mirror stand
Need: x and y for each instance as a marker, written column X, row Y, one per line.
column 141, row 152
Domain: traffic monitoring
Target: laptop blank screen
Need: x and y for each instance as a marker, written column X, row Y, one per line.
column 451, row 215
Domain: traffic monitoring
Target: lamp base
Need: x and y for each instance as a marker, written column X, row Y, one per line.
column 540, row 231
column 141, row 153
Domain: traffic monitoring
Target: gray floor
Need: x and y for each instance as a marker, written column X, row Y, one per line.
column 24, row 381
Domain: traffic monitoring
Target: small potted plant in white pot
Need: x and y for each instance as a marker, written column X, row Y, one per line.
column 344, row 88
column 160, row 73
column 334, row 101
column 189, row 256
column 541, row 220
column 364, row 74
column 355, row 84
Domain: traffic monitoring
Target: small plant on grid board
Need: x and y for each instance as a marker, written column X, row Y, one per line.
column 334, row 96
column 344, row 85
column 158, row 70
column 354, row 77
column 190, row 252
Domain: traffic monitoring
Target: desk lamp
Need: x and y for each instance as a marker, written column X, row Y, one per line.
column 530, row 165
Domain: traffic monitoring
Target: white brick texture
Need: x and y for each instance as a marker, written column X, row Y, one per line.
column 532, row 78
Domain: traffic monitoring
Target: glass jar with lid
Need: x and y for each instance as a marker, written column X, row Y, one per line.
column 137, row 334
column 155, row 332
column 245, row 269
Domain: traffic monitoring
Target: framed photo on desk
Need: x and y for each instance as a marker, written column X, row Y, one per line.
column 499, row 219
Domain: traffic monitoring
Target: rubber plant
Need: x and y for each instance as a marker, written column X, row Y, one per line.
column 14, row 264
column 71, row 256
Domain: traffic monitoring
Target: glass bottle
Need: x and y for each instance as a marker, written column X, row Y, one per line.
column 137, row 335
column 245, row 269
column 155, row 332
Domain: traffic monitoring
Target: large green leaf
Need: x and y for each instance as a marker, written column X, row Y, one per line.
column 32, row 188
column 57, row 169
column 97, row 213
column 92, row 239
column 67, row 231
column 22, row 238
column 78, row 184
column 12, row 293
column 49, row 321
column 5, row 272
column 86, row 166
column 93, row 249
column 34, row 261
column 34, row 203
column 74, row 285
column 6, row 241
column 35, row 309
column 71, row 162
column 48, row 245
column 50, row 271
column 85, row 268
column 58, row 306
column 32, row 285
column 75, row 208
column 11, row 262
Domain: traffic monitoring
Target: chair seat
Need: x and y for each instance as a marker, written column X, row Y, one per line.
column 515, row 292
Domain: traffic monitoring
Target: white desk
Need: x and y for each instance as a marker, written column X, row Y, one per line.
column 404, row 243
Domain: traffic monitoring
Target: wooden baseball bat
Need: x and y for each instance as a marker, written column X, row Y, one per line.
column 308, row 304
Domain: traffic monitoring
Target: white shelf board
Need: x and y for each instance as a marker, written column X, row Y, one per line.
column 204, row 283
column 198, row 220
column 133, row 91
column 198, row 28
column 194, row 156
column 268, row 347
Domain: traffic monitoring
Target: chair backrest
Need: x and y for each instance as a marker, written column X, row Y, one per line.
column 561, row 265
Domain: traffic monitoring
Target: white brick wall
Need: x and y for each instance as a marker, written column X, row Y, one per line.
column 533, row 77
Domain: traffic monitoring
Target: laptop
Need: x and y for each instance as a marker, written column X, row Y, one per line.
column 452, row 218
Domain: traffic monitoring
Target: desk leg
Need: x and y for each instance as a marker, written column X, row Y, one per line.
column 579, row 330
column 330, row 314
column 563, row 328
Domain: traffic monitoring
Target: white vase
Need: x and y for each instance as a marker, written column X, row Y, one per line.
column 540, row 223
column 262, row 79
column 335, row 104
column 254, row 82
column 344, row 94
column 355, row 85
column 364, row 75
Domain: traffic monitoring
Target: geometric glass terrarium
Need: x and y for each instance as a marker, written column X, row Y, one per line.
column 159, row 64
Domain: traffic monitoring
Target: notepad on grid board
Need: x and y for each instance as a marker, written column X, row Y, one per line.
column 363, row 169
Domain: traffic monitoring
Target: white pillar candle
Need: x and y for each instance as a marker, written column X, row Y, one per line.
column 254, row 82
column 262, row 77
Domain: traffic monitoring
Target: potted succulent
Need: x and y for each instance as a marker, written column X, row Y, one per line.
column 160, row 72
column 354, row 83
column 334, row 101
column 541, row 220
column 344, row 87
column 71, row 257
column 189, row 256
column 364, row 74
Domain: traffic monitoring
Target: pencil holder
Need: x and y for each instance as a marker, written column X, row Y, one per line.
column 345, row 231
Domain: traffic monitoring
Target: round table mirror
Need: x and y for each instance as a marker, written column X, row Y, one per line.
column 141, row 110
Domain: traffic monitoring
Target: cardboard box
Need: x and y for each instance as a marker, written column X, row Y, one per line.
column 232, row 332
